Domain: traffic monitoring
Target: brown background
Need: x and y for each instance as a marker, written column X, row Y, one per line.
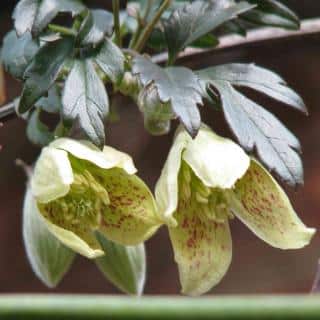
column 256, row 267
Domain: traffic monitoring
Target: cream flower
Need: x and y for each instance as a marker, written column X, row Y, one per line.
column 204, row 183
column 80, row 189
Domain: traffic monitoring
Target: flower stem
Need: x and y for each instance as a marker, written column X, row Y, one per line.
column 116, row 17
column 62, row 30
column 150, row 26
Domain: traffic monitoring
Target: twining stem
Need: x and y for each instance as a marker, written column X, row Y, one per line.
column 116, row 17
column 62, row 30
column 150, row 26
column 50, row 307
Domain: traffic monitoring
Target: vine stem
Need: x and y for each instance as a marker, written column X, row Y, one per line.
column 61, row 29
column 116, row 17
column 308, row 27
column 67, row 307
column 150, row 26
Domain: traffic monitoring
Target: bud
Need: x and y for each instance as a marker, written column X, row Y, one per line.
column 157, row 115
column 124, row 266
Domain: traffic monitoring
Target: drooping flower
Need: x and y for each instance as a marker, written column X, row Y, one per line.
column 204, row 183
column 80, row 189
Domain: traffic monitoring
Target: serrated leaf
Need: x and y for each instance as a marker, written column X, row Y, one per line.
column 177, row 85
column 257, row 129
column 272, row 13
column 37, row 132
column 124, row 266
column 194, row 20
column 97, row 24
column 43, row 71
column 257, row 78
column 52, row 103
column 17, row 53
column 85, row 99
column 34, row 15
column 111, row 60
column 49, row 258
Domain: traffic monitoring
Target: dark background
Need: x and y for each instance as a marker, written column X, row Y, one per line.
column 256, row 267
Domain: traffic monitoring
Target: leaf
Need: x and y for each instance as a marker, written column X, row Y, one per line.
column 85, row 99
column 34, row 15
column 194, row 20
column 43, row 71
column 272, row 13
column 257, row 78
column 51, row 103
column 97, row 24
column 258, row 129
column 111, row 60
column 37, row 132
column 17, row 53
column 49, row 258
column 124, row 266
column 177, row 85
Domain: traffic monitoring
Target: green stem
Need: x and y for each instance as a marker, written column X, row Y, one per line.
column 63, row 30
column 49, row 307
column 116, row 17
column 150, row 26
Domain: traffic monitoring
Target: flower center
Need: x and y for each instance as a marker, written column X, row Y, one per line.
column 81, row 208
column 211, row 201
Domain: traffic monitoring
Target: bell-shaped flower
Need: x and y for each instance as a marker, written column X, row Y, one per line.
column 80, row 189
column 204, row 183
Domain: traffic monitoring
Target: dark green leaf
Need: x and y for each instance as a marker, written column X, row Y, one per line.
column 43, row 71
column 257, row 78
column 272, row 13
column 37, row 132
column 51, row 103
column 17, row 53
column 97, row 24
column 49, row 258
column 177, row 85
column 111, row 60
column 207, row 41
column 124, row 266
column 194, row 20
column 35, row 15
column 257, row 129
column 85, row 100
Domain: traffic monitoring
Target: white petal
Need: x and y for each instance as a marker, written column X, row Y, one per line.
column 106, row 159
column 166, row 191
column 218, row 162
column 52, row 175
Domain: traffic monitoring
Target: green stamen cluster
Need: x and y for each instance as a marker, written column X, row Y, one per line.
column 213, row 201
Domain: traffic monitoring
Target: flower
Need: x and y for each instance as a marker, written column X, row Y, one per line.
column 80, row 189
column 204, row 183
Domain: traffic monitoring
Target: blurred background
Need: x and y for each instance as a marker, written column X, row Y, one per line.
column 256, row 267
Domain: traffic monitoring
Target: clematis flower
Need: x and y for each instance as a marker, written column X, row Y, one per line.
column 80, row 189
column 204, row 183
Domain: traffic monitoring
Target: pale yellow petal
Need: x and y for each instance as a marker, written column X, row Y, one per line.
column 166, row 191
column 72, row 241
column 131, row 216
column 218, row 162
column 260, row 203
column 52, row 175
column 202, row 248
column 85, row 150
